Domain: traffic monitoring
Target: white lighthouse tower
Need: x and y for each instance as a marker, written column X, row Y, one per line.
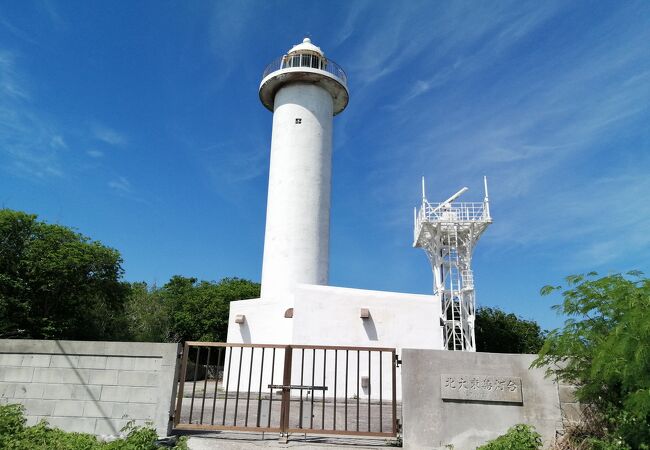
column 304, row 90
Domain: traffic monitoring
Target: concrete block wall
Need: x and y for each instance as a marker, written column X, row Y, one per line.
column 572, row 410
column 432, row 421
column 90, row 387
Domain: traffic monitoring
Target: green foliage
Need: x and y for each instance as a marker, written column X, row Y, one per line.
column 199, row 309
column 519, row 437
column 147, row 314
column 12, row 423
column 185, row 309
column 56, row 283
column 15, row 436
column 604, row 348
column 500, row 332
column 397, row 442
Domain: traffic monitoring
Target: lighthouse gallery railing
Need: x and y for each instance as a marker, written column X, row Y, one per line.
column 306, row 61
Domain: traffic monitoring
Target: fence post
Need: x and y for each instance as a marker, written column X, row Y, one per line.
column 286, row 394
column 179, row 399
column 394, row 399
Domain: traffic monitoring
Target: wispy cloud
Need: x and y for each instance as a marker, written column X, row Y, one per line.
column 355, row 11
column 230, row 165
column 57, row 142
column 121, row 185
column 229, row 27
column 598, row 222
column 537, row 130
column 108, row 135
column 95, row 153
column 30, row 144
column 426, row 32
column 48, row 8
column 15, row 31
column 11, row 83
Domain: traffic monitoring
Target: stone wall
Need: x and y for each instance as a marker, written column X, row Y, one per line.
column 465, row 399
column 90, row 387
column 572, row 410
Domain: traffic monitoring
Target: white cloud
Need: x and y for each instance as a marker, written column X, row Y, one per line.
column 539, row 130
column 228, row 163
column 12, row 86
column 95, row 153
column 229, row 25
column 107, row 135
column 432, row 32
column 33, row 145
column 29, row 142
column 121, row 184
column 596, row 223
column 57, row 142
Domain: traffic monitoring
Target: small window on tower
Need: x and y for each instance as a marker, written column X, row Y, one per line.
column 298, row 120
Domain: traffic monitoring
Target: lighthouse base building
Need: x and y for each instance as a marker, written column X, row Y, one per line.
column 328, row 315
column 334, row 316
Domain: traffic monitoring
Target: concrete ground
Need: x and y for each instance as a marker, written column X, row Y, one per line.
column 260, row 411
column 254, row 410
column 236, row 440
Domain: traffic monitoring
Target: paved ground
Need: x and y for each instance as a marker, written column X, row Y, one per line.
column 235, row 441
column 260, row 411
column 205, row 403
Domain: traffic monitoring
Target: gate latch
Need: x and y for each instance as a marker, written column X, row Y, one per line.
column 297, row 386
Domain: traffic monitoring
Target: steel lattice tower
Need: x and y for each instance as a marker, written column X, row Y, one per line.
column 448, row 232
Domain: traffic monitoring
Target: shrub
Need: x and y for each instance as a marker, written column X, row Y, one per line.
column 12, row 423
column 604, row 348
column 14, row 435
column 519, row 437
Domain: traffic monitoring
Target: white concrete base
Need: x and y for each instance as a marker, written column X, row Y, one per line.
column 327, row 315
column 331, row 316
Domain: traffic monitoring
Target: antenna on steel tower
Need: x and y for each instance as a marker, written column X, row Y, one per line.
column 448, row 232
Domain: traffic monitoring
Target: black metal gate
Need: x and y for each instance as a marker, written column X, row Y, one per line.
column 287, row 389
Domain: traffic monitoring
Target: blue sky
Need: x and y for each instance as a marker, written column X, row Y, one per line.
column 139, row 124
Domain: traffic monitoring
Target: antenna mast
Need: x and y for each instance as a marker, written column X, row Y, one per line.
column 448, row 232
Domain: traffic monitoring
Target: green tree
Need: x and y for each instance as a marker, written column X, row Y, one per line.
column 199, row 309
column 147, row 314
column 501, row 332
column 56, row 283
column 604, row 347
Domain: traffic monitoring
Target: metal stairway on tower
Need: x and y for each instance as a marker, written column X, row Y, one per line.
column 448, row 232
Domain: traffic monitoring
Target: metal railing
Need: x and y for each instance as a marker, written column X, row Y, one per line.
column 287, row 389
column 468, row 279
column 454, row 212
column 307, row 61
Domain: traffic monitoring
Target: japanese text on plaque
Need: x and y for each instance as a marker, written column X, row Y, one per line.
column 487, row 388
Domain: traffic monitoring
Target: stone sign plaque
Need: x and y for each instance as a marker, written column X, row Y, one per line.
column 483, row 388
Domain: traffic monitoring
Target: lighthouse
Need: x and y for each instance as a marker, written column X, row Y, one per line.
column 304, row 90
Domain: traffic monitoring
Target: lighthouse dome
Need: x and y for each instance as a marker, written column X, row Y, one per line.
column 306, row 46
column 304, row 63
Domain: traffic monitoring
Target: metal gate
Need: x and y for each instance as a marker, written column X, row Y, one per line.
column 287, row 389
